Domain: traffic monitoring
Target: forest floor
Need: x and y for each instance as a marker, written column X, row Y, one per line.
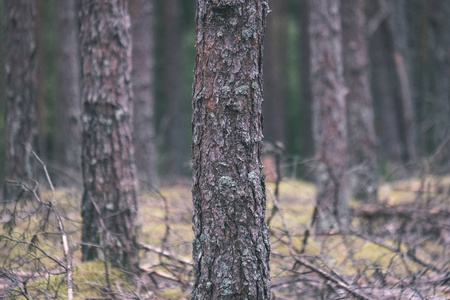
column 398, row 248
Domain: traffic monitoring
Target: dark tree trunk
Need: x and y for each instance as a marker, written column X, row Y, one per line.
column 20, row 92
column 441, row 50
column 275, row 75
column 329, row 113
column 109, row 207
column 177, row 143
column 399, row 30
column 360, row 119
column 231, row 244
column 385, row 96
column 41, row 78
column 141, row 12
column 418, row 12
column 68, row 88
column 307, row 144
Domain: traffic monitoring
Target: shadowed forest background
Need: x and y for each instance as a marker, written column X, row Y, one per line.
column 386, row 237
column 287, row 103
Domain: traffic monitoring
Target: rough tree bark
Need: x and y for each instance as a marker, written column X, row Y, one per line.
column 275, row 76
column 231, row 244
column 20, row 92
column 68, row 88
column 177, row 143
column 329, row 114
column 141, row 12
column 109, row 207
column 360, row 118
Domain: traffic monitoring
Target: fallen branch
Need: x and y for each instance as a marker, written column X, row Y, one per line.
column 330, row 277
column 165, row 253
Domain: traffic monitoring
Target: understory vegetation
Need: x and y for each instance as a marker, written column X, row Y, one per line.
column 398, row 248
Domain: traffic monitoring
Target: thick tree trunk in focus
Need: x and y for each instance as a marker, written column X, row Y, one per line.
column 231, row 244
column 141, row 12
column 329, row 113
column 360, row 118
column 20, row 93
column 109, row 207
column 68, row 97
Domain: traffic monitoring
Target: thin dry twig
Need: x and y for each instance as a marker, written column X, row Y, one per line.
column 67, row 252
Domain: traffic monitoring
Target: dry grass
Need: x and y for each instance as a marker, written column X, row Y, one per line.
column 387, row 257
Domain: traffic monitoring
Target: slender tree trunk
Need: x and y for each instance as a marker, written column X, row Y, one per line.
column 68, row 88
column 41, row 78
column 399, row 29
column 441, row 22
column 441, row 50
column 418, row 13
column 231, row 244
column 329, row 109
column 307, row 149
column 109, row 207
column 360, row 118
column 275, row 75
column 177, row 144
column 141, row 12
column 385, row 99
column 20, row 92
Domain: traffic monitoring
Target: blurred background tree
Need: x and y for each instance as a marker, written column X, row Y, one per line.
column 410, row 95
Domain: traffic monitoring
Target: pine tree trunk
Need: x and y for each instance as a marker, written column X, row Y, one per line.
column 141, row 12
column 360, row 119
column 441, row 51
column 329, row 113
column 384, row 92
column 399, row 30
column 68, row 88
column 231, row 244
column 275, row 74
column 109, row 206
column 306, row 122
column 177, row 107
column 20, row 93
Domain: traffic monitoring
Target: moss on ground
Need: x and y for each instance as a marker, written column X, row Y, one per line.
column 349, row 254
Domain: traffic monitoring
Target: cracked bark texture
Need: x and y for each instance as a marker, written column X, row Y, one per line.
column 109, row 206
column 68, row 88
column 360, row 119
column 231, row 244
column 141, row 13
column 329, row 114
column 20, row 92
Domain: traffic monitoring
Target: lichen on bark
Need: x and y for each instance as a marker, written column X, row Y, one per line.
column 109, row 206
column 231, row 245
